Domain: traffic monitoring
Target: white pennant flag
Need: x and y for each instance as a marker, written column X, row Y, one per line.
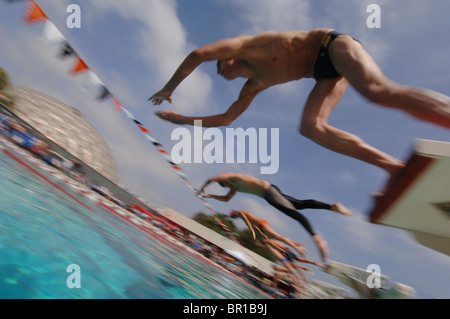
column 51, row 35
column 91, row 82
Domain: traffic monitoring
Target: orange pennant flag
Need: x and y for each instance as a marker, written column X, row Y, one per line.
column 118, row 106
column 34, row 13
column 80, row 66
column 143, row 129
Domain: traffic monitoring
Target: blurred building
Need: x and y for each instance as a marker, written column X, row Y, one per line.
column 65, row 126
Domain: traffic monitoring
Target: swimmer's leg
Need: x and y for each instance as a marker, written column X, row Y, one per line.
column 314, row 125
column 357, row 66
column 314, row 204
column 297, row 246
column 291, row 212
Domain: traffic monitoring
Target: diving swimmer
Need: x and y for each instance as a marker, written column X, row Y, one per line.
column 333, row 59
column 288, row 205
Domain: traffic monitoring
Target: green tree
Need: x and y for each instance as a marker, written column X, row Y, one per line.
column 210, row 222
column 244, row 237
column 4, row 79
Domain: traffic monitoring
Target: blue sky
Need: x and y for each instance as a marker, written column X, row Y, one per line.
column 135, row 46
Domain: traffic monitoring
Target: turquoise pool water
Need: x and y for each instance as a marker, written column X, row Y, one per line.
column 45, row 226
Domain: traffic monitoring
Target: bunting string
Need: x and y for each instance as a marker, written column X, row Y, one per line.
column 51, row 34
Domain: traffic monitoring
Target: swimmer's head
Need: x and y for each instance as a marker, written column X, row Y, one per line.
column 234, row 214
column 228, row 68
column 219, row 66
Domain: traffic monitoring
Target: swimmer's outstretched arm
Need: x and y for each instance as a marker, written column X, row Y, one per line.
column 202, row 189
column 222, row 198
column 246, row 96
column 224, row 177
column 217, row 50
column 218, row 178
column 247, row 222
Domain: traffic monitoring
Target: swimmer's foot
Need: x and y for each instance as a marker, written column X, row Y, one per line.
column 394, row 174
column 323, row 247
column 326, row 267
column 377, row 195
column 338, row 207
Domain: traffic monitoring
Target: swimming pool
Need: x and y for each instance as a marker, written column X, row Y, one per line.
column 49, row 222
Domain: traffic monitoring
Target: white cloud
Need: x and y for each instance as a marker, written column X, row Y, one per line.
column 347, row 178
column 281, row 15
column 163, row 46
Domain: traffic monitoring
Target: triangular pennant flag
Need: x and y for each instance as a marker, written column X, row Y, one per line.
column 153, row 141
column 128, row 114
column 51, row 34
column 80, row 66
column 169, row 159
column 118, row 105
column 163, row 151
column 143, row 129
column 104, row 94
column 182, row 175
column 66, row 50
column 92, row 83
column 34, row 13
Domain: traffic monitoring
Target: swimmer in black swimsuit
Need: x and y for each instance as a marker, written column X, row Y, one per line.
column 288, row 205
column 324, row 68
column 272, row 58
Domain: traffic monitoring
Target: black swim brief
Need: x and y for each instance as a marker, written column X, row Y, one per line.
column 288, row 256
column 323, row 67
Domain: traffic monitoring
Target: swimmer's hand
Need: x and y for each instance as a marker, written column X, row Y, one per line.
column 171, row 116
column 159, row 97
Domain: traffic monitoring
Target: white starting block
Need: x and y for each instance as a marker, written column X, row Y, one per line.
column 419, row 198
